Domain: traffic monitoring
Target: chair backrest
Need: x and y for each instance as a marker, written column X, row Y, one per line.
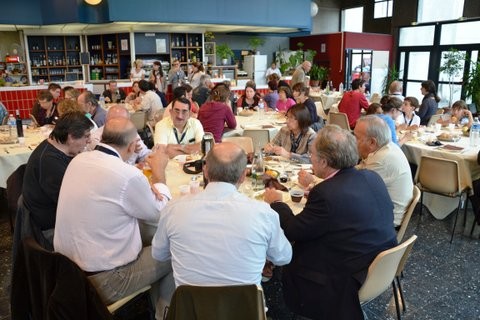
column 226, row 302
column 408, row 214
column 260, row 137
column 440, row 176
column 320, row 111
column 246, row 143
column 14, row 190
column 382, row 271
column 139, row 119
column 434, row 119
column 405, row 256
column 340, row 119
column 46, row 283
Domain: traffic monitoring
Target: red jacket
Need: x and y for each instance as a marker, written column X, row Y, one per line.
column 352, row 104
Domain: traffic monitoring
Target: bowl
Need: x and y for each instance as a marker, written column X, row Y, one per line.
column 296, row 195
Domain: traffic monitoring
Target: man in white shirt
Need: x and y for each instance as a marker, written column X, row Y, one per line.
column 150, row 102
column 119, row 111
column 181, row 133
column 101, row 201
column 220, row 236
column 273, row 69
column 380, row 154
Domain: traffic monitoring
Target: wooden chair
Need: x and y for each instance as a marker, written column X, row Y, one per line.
column 382, row 271
column 260, row 137
column 441, row 177
column 408, row 214
column 225, row 302
column 246, row 143
column 340, row 119
column 320, row 112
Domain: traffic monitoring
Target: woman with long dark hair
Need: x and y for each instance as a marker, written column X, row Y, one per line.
column 430, row 101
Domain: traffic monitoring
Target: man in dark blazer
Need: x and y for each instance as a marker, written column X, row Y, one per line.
column 346, row 222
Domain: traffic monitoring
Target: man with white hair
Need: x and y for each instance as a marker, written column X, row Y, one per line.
column 380, row 154
column 299, row 74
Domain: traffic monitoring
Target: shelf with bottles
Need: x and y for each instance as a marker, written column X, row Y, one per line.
column 108, row 51
column 49, row 55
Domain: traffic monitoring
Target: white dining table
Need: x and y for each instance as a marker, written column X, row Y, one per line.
column 328, row 99
column 13, row 155
column 440, row 206
column 270, row 120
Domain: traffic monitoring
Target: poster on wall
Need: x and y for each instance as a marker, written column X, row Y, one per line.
column 161, row 45
column 124, row 44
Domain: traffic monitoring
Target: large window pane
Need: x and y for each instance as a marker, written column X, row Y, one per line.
column 418, row 66
column 413, row 90
column 460, row 33
column 444, row 76
column 380, row 10
column 401, row 67
column 444, row 94
column 352, row 19
column 435, row 10
column 416, row 36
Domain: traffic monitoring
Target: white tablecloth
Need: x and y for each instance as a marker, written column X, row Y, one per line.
column 272, row 121
column 14, row 155
column 440, row 206
column 327, row 99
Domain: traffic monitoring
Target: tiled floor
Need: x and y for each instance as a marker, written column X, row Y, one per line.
column 442, row 280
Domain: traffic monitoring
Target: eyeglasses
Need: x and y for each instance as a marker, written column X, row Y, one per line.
column 179, row 111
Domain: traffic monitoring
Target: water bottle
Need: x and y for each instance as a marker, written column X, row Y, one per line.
column 19, row 124
column 340, row 87
column 475, row 133
column 102, row 101
column 12, row 125
column 261, row 108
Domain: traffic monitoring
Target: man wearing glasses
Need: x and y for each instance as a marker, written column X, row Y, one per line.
column 179, row 132
column 176, row 76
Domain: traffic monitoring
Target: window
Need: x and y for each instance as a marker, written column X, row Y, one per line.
column 383, row 9
column 434, row 10
column 416, row 36
column 352, row 19
column 460, row 33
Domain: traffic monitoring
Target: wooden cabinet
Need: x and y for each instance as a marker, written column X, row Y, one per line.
column 210, row 57
column 186, row 48
column 54, row 58
column 109, row 56
column 16, row 72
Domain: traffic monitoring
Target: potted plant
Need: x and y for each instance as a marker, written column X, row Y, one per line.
column 392, row 75
column 317, row 74
column 224, row 52
column 255, row 43
column 472, row 85
column 453, row 62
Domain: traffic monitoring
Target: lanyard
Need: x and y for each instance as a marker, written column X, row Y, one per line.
column 179, row 141
column 295, row 142
column 409, row 122
column 106, row 150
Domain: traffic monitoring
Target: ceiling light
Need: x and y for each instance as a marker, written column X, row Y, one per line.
column 313, row 9
column 93, row 2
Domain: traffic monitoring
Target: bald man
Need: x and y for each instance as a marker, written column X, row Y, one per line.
column 220, row 236
column 102, row 200
column 299, row 74
column 119, row 111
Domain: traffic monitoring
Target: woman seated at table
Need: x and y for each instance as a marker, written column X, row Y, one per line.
column 133, row 96
column 249, row 100
column 44, row 110
column 408, row 120
column 215, row 115
column 294, row 140
column 460, row 115
column 284, row 102
column 300, row 93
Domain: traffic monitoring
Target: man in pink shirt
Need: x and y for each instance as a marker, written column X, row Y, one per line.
column 353, row 101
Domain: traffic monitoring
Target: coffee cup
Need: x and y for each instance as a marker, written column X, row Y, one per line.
column 296, row 195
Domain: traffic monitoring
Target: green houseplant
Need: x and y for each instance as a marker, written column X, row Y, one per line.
column 452, row 66
column 392, row 75
column 255, row 42
column 472, row 85
column 318, row 74
column 224, row 52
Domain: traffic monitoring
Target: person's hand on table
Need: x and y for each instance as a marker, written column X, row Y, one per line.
column 280, row 151
column 269, row 148
column 108, row 100
column 305, row 178
column 272, row 195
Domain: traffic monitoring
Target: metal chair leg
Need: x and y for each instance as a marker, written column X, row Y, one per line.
column 421, row 204
column 402, row 298
column 395, row 297
column 456, row 217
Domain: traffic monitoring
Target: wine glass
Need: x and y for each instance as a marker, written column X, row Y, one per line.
column 258, row 169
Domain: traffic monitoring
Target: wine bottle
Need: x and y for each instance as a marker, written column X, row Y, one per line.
column 19, row 124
